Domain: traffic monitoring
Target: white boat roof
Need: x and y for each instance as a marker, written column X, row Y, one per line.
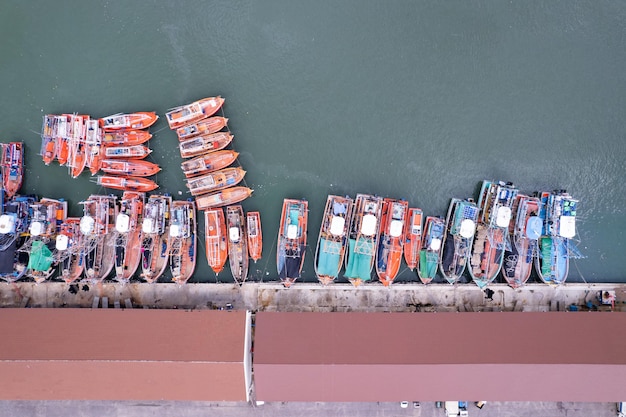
column 148, row 226
column 503, row 216
column 395, row 228
column 7, row 224
column 468, row 227
column 435, row 244
column 567, row 226
column 368, row 225
column 337, row 224
column 233, row 234
column 175, row 230
column 36, row 228
column 62, row 242
column 533, row 227
column 122, row 223
column 86, row 224
column 292, row 231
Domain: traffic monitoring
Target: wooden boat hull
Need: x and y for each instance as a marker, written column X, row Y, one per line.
column 12, row 167
column 237, row 243
column 128, row 236
column 126, row 152
column 363, row 238
column 68, row 253
column 126, row 138
column 332, row 240
column 255, row 235
column 216, row 241
column 203, row 127
column 458, row 237
column 215, row 181
column 291, row 245
column 190, row 113
column 155, row 242
column 99, row 212
column 130, row 167
column 183, row 240
column 413, row 242
column 48, row 138
column 430, row 249
column 391, row 241
column 204, row 164
column 139, row 120
column 143, row 185
column 204, row 144
column 223, row 198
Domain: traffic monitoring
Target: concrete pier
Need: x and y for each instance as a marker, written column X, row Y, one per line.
column 255, row 296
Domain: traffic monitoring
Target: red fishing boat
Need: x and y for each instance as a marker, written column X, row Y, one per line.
column 208, row 163
column 215, row 181
column 12, row 167
column 190, row 113
column 125, row 121
column 77, row 152
column 69, row 250
column 127, row 152
column 255, row 235
column 204, row 144
column 48, row 138
column 215, row 239
column 223, row 198
column 391, row 242
column 130, row 167
column 126, row 137
column 155, row 230
column 128, row 235
column 64, row 133
column 126, row 183
column 203, row 127
column 413, row 234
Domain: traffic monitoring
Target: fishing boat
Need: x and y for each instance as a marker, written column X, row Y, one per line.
column 430, row 248
column 62, row 142
column 413, row 235
column 223, row 198
column 291, row 244
column 93, row 144
column 524, row 232
column 129, row 167
column 190, row 113
column 94, row 158
column 391, row 241
column 208, row 163
column 47, row 215
column 12, row 167
column 14, row 224
column 126, row 121
column 128, row 235
column 203, row 127
column 363, row 238
column 215, row 181
column 458, row 237
column 332, row 240
column 138, row 184
column 48, row 138
column 155, row 231
column 201, row 145
column 99, row 213
column 126, row 137
column 558, row 212
column 128, row 152
column 237, row 243
column 215, row 239
column 68, row 252
column 255, row 235
column 495, row 204
column 183, row 237
column 77, row 152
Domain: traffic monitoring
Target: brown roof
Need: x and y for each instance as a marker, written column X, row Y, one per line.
column 122, row 354
column 440, row 356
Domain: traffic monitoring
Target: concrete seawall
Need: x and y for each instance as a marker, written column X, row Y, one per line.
column 256, row 296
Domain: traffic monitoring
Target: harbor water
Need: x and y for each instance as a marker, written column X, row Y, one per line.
column 420, row 100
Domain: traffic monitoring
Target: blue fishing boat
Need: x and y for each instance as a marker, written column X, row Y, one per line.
column 333, row 238
column 291, row 244
column 458, row 237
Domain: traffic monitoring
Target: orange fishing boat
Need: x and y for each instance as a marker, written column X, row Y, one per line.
column 291, row 245
column 215, row 181
column 208, row 163
column 223, row 198
column 64, row 133
column 155, row 243
column 391, row 241
column 183, row 236
column 128, row 152
column 125, row 121
column 93, row 142
column 204, row 144
column 12, row 167
column 255, row 235
column 215, row 239
column 190, row 113
column 128, row 235
column 237, row 243
column 77, row 152
column 413, row 234
column 126, row 183
column 94, row 158
column 130, row 167
column 126, row 137
column 48, row 138
column 203, row 127
column 69, row 250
